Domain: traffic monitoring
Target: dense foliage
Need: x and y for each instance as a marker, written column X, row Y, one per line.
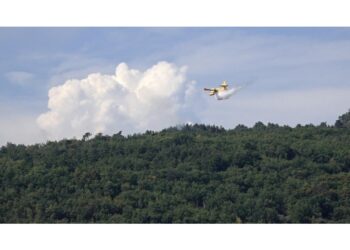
column 192, row 174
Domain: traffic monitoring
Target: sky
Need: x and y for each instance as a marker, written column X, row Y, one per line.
column 62, row 82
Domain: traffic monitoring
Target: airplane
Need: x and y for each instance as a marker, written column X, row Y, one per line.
column 213, row 91
column 222, row 92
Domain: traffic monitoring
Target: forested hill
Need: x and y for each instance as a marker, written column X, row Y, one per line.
column 196, row 174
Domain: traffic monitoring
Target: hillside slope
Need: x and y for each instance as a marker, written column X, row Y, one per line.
column 196, row 174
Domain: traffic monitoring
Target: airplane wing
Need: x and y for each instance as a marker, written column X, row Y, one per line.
column 212, row 91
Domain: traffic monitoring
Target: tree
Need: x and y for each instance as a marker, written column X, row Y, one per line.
column 86, row 136
column 343, row 121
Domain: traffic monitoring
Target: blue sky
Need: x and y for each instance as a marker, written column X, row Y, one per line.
column 298, row 75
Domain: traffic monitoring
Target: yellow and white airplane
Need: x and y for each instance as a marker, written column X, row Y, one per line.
column 222, row 92
column 213, row 91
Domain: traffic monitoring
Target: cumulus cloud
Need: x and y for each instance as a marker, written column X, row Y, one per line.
column 129, row 100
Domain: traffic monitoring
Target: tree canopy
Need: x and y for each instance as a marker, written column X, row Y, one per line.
column 343, row 121
column 193, row 174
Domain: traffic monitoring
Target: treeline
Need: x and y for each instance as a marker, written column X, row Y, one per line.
column 193, row 174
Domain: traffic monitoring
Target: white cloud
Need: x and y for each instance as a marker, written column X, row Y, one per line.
column 19, row 77
column 129, row 100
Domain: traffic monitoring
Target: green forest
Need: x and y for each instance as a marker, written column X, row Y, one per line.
column 190, row 174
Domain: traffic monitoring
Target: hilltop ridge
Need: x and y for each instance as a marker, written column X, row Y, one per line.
column 189, row 174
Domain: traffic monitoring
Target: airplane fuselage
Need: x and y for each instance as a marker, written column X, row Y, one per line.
column 213, row 91
column 222, row 92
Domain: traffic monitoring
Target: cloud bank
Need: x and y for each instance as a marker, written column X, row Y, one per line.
column 129, row 100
